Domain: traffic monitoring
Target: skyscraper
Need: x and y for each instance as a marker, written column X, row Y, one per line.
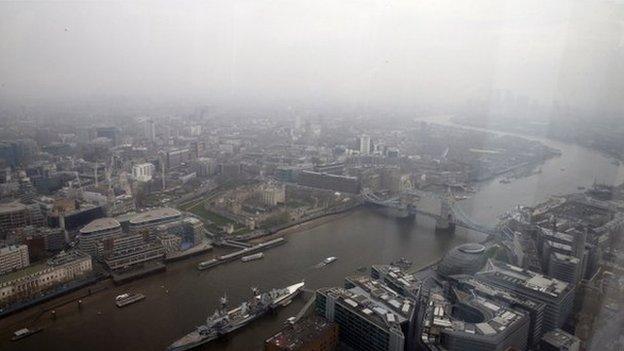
column 150, row 130
column 365, row 144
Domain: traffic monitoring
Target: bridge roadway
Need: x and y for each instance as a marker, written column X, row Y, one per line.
column 458, row 215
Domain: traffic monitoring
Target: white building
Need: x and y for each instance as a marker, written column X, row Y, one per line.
column 143, row 172
column 273, row 195
column 365, row 144
column 13, row 257
column 28, row 283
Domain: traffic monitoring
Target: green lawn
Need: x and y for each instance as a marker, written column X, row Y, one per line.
column 211, row 216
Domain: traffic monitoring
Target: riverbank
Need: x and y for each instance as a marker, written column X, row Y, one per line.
column 181, row 297
column 310, row 224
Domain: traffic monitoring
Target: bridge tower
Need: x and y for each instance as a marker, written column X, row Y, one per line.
column 445, row 222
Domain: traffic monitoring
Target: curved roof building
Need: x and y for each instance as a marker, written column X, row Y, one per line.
column 463, row 259
column 100, row 225
column 95, row 231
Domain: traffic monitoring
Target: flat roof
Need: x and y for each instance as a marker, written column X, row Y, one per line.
column 100, row 224
column 155, row 214
column 297, row 335
column 528, row 279
column 10, row 248
column 9, row 207
column 20, row 273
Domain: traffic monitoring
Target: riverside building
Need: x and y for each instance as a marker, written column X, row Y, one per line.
column 96, row 231
column 36, row 280
column 558, row 296
column 369, row 315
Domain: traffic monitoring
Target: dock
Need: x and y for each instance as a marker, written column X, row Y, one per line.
column 248, row 250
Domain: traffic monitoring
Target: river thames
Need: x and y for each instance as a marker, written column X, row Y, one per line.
column 180, row 298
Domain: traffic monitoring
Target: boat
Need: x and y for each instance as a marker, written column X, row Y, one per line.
column 207, row 264
column 223, row 321
column 24, row 332
column 252, row 257
column 127, row 299
column 329, row 260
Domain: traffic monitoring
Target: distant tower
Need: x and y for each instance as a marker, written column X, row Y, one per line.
column 365, row 144
column 150, row 130
column 580, row 238
column 95, row 174
column 445, row 222
column 162, row 168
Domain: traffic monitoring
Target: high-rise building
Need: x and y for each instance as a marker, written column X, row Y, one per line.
column 534, row 309
column 564, row 267
column 365, row 144
column 13, row 257
column 150, row 130
column 370, row 315
column 143, row 172
column 558, row 296
column 178, row 157
column 461, row 321
column 206, row 167
column 559, row 340
column 111, row 133
column 15, row 215
column 398, row 280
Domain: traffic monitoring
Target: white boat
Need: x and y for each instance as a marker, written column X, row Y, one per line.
column 208, row 264
column 329, row 260
column 252, row 257
column 25, row 332
column 127, row 299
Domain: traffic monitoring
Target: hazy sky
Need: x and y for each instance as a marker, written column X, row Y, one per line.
column 355, row 51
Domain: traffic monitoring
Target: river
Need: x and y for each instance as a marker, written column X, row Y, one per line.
column 180, row 298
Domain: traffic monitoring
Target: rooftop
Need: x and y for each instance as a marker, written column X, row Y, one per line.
column 155, row 214
column 401, row 278
column 375, row 302
column 483, row 288
column 559, row 235
column 488, row 319
column 100, row 224
column 525, row 278
column 295, row 336
column 9, row 207
column 568, row 258
column 10, row 248
column 560, row 338
column 26, row 271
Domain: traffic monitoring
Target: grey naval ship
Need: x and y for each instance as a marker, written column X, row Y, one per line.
column 224, row 321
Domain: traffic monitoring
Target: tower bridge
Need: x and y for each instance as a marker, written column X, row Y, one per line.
column 450, row 216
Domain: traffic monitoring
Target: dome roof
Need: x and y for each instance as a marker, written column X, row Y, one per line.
column 463, row 259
